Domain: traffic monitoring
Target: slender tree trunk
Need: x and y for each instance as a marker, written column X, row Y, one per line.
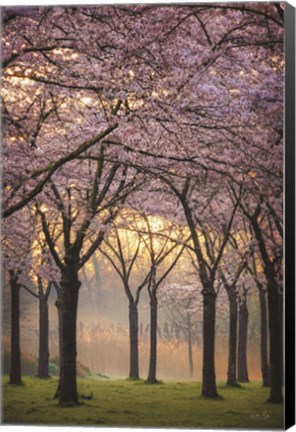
column 276, row 362
column 153, row 340
column 231, row 373
column 263, row 336
column 189, row 342
column 134, row 343
column 68, row 316
column 208, row 372
column 43, row 338
column 242, row 368
column 15, row 352
column 58, row 306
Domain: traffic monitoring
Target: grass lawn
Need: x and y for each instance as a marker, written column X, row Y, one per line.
column 135, row 403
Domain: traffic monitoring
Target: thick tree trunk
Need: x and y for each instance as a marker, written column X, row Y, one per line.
column 242, row 368
column 15, row 351
column 231, row 373
column 68, row 303
column 263, row 338
column 43, row 338
column 153, row 340
column 276, row 362
column 134, row 343
column 189, row 342
column 208, row 372
column 274, row 313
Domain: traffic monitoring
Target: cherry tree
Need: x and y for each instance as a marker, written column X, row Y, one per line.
column 82, row 211
column 42, row 276
column 183, row 303
column 203, row 221
column 236, row 258
column 18, row 235
column 231, row 288
column 243, row 320
column 260, row 283
column 49, row 46
column 164, row 246
column 189, row 95
column 267, row 229
column 123, row 248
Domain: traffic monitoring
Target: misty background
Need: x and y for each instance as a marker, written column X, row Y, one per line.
column 103, row 333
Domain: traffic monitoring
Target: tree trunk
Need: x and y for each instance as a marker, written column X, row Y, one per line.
column 43, row 338
column 231, row 373
column 189, row 342
column 134, row 344
column 57, row 304
column 276, row 363
column 242, row 370
column 153, row 340
column 15, row 352
column 274, row 313
column 68, row 303
column 263, row 341
column 208, row 371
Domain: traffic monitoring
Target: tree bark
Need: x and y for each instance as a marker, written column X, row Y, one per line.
column 134, row 343
column 57, row 304
column 276, row 362
column 68, row 304
column 43, row 338
column 231, row 373
column 15, row 351
column 153, row 340
column 189, row 342
column 263, row 339
column 208, row 372
column 274, row 313
column 242, row 368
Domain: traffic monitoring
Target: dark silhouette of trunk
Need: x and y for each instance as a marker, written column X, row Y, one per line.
column 68, row 303
column 189, row 342
column 153, row 340
column 207, row 277
column 275, row 328
column 43, row 338
column 231, row 373
column 57, row 304
column 208, row 372
column 274, row 313
column 242, row 368
column 15, row 351
column 134, row 343
column 263, row 338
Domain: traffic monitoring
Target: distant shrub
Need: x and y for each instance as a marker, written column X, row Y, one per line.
column 53, row 369
column 55, row 359
column 30, row 363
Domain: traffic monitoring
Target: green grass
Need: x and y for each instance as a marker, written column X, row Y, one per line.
column 135, row 403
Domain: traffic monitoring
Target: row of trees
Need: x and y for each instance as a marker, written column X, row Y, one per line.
column 165, row 111
column 130, row 247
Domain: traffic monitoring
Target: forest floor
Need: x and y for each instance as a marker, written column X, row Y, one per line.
column 135, row 403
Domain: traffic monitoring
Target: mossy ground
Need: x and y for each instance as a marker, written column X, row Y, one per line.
column 135, row 403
